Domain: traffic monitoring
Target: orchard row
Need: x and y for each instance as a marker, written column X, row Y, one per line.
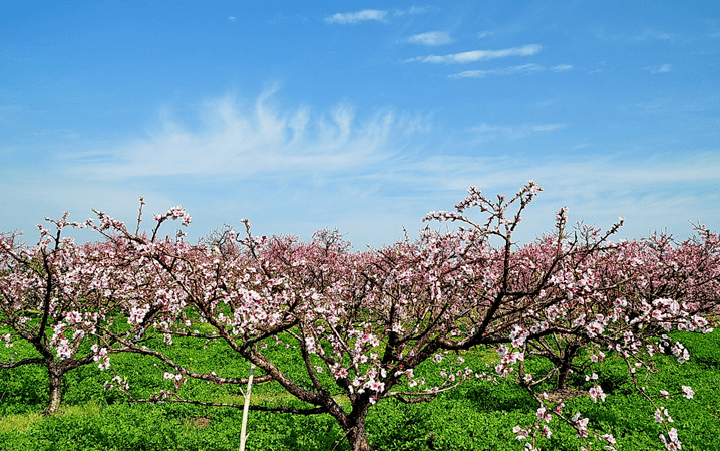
column 362, row 322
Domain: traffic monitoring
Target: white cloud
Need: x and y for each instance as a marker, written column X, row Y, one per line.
column 418, row 9
column 523, row 69
column 547, row 127
column 373, row 14
column 413, row 10
column 651, row 34
column 487, row 132
column 660, row 69
column 366, row 14
column 431, row 38
column 237, row 142
column 478, row 55
column 232, row 18
column 484, row 34
column 562, row 67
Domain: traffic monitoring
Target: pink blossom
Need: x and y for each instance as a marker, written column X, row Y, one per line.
column 597, row 392
column 689, row 393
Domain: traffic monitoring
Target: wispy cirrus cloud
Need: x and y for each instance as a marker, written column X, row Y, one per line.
column 562, row 67
column 413, row 10
column 238, row 141
column 431, row 38
column 478, row 55
column 487, row 132
column 647, row 35
column 651, row 35
column 522, row 69
column 378, row 15
column 359, row 16
column 660, row 69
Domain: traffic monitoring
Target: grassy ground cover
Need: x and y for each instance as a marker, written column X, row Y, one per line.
column 479, row 415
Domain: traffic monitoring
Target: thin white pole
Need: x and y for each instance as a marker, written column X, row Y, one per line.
column 246, row 409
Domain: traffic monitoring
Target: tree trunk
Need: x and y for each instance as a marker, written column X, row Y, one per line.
column 358, row 437
column 354, row 425
column 55, row 375
column 571, row 351
column 562, row 377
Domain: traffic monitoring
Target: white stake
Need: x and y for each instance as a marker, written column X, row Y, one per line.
column 246, row 409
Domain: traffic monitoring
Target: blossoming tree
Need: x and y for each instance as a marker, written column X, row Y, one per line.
column 55, row 295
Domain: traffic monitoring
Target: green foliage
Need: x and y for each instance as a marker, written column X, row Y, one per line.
column 478, row 415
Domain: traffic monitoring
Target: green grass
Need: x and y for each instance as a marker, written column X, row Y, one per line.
column 478, row 415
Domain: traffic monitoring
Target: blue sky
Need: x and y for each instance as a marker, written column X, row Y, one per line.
column 360, row 116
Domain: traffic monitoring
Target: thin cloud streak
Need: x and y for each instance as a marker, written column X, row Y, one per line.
column 523, row 69
column 584, row 177
column 651, row 34
column 660, row 69
column 431, row 38
column 478, row 55
column 355, row 17
column 485, row 132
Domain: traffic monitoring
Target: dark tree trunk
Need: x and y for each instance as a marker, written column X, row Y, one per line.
column 358, row 437
column 563, row 377
column 354, row 425
column 55, row 383
column 571, row 351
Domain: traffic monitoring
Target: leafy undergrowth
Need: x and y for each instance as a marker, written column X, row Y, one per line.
column 478, row 415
